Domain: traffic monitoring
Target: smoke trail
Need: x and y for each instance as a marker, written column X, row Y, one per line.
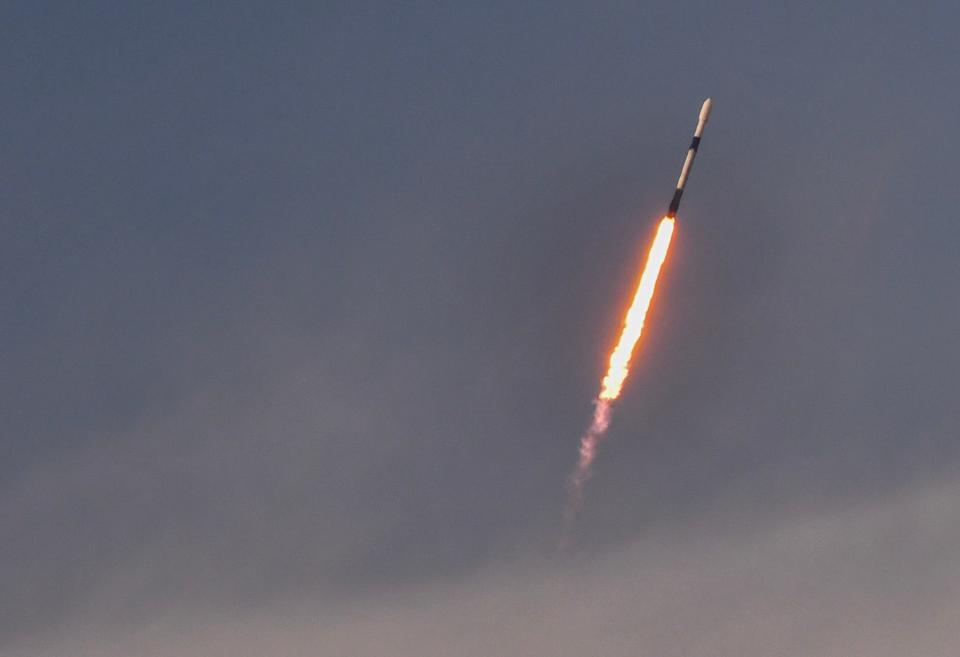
column 588, row 451
column 618, row 368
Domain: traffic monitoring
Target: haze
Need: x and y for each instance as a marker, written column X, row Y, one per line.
column 303, row 307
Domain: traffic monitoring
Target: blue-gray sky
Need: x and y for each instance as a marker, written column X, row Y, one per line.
column 302, row 308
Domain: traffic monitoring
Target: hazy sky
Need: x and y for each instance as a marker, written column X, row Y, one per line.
column 303, row 307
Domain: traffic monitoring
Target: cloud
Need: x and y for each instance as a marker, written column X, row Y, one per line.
column 874, row 579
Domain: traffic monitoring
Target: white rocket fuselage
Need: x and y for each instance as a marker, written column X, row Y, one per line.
column 691, row 154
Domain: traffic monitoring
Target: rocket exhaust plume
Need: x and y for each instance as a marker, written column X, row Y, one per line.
column 633, row 323
column 619, row 364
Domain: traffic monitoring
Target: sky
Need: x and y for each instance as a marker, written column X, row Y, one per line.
column 303, row 307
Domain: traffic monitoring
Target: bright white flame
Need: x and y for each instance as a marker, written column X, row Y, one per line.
column 633, row 323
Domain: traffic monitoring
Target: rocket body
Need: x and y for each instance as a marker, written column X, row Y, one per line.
column 691, row 154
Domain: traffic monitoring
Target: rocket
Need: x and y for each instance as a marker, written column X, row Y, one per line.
column 688, row 163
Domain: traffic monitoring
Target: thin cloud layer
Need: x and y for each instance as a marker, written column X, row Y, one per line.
column 872, row 579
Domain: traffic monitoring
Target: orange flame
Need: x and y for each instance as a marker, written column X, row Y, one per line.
column 633, row 323
column 618, row 369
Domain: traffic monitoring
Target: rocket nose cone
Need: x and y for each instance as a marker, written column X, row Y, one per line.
column 705, row 110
